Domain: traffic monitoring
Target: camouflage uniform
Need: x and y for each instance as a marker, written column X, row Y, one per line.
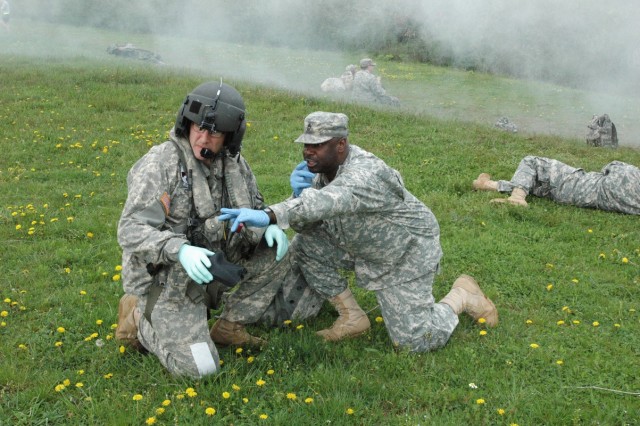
column 366, row 221
column 367, row 88
column 155, row 224
column 615, row 188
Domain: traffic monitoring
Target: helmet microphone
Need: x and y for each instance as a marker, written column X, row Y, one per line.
column 207, row 153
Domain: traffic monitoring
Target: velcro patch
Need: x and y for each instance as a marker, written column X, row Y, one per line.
column 165, row 200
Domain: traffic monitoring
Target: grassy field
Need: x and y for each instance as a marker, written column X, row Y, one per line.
column 566, row 280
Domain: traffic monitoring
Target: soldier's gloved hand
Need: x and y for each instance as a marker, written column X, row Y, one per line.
column 273, row 232
column 249, row 217
column 300, row 178
column 195, row 261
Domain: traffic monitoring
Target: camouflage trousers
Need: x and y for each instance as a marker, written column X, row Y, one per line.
column 178, row 330
column 412, row 318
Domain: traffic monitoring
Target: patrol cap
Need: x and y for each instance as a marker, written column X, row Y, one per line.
column 366, row 62
column 321, row 126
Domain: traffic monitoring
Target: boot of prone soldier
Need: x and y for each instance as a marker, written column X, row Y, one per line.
column 227, row 333
column 484, row 183
column 352, row 320
column 466, row 296
column 517, row 198
column 128, row 317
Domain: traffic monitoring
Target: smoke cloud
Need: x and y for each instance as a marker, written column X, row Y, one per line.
column 583, row 45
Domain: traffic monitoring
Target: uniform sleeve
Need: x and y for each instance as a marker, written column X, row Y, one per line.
column 140, row 232
column 359, row 190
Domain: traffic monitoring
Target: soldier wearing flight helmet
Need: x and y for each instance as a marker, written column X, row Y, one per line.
column 169, row 232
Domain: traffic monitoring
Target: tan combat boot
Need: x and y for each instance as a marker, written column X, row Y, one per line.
column 466, row 296
column 128, row 317
column 484, row 183
column 352, row 320
column 227, row 333
column 517, row 198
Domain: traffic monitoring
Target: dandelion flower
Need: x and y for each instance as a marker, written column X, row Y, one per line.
column 4, row 314
column 575, row 281
column 480, row 401
column 287, row 322
column 299, row 327
column 118, row 268
column 166, row 403
column 602, row 256
column 108, row 376
column 260, row 382
column 292, row 396
column 210, row 411
column 137, row 397
column 561, row 322
column 226, row 395
column 80, row 372
column 616, row 325
column 481, row 320
column 245, row 400
column 99, row 322
column 263, row 417
column 239, row 350
column 250, row 360
column 79, row 384
column 625, row 260
column 534, row 345
column 59, row 388
column 500, row 411
column 308, row 400
column 270, row 372
column 350, row 411
column 58, row 344
column 122, row 349
column 83, row 293
column 559, row 362
column 116, row 277
column 483, row 332
column 529, row 322
column 151, row 421
column 549, row 287
column 595, row 324
column 379, row 320
column 235, row 387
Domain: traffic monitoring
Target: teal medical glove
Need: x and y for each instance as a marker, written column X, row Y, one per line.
column 195, row 261
column 272, row 233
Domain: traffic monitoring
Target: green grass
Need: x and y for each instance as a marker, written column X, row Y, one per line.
column 70, row 131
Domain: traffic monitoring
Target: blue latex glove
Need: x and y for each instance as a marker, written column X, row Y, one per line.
column 195, row 261
column 249, row 217
column 300, row 178
column 273, row 232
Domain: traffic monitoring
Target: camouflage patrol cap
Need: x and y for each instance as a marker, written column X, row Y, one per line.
column 364, row 63
column 321, row 126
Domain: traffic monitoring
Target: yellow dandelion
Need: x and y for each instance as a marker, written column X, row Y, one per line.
column 559, row 362
column 575, row 281
column 534, row 346
column 561, row 322
column 235, row 387
column 226, row 395
column 118, row 268
column 122, row 349
column 292, row 396
column 308, row 400
column 595, row 324
column 260, row 382
column 192, row 394
column 89, row 234
column 625, row 260
column 22, row 346
column 160, row 411
column 180, row 396
column 287, row 322
column 59, row 388
column 79, row 384
column 602, row 256
column 270, row 372
column 483, row 332
column 350, row 411
column 58, row 344
column 7, row 300
column 549, row 265
column 549, row 287
column 590, row 231
column 239, row 350
column 166, row 403
column 379, row 320
column 616, row 325
column 67, row 270
column 108, row 376
column 210, row 411
column 4, row 314
column 480, row 401
column 245, row 400
column 500, row 411
column 481, row 320
column 250, row 360
column 83, row 293
column 300, row 327
column 151, row 421
column 116, row 277
column 576, row 322
column 137, row 397
column 99, row 322
column 18, row 227
column 529, row 322
column 263, row 417
column 80, row 372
